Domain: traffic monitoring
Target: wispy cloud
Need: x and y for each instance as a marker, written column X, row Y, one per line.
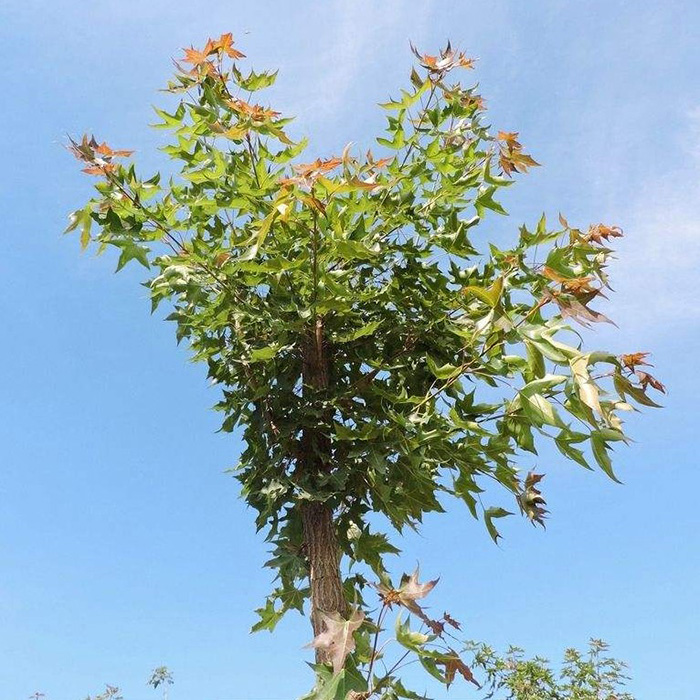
column 659, row 261
column 357, row 37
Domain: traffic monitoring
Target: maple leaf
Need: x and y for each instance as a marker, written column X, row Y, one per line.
column 437, row 627
column 531, row 501
column 600, row 233
column 573, row 308
column 308, row 173
column 85, row 150
column 634, row 359
column 223, row 45
column 98, row 156
column 337, row 639
column 99, row 169
column 446, row 61
column 408, row 592
column 453, row 664
column 195, row 56
column 469, row 100
column 451, row 621
column 257, row 113
column 411, row 590
column 222, row 258
column 645, row 379
column 105, row 151
column 511, row 156
column 578, row 286
column 199, row 60
column 509, row 138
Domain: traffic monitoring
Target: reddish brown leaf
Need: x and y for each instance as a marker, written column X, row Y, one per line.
column 453, row 664
column 436, row 626
column 645, row 379
column 451, row 621
column 406, row 595
column 221, row 258
column 570, row 307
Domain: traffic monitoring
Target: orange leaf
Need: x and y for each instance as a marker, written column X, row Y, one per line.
column 600, row 233
column 104, row 150
column 224, row 44
column 633, row 359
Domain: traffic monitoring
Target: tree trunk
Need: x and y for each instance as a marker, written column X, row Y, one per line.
column 317, row 517
column 322, row 550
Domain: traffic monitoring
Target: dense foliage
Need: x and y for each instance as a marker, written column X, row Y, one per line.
column 379, row 354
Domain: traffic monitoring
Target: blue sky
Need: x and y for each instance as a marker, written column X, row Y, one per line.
column 123, row 545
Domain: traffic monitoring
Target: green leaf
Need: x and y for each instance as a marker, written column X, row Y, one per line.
column 600, row 452
column 332, row 689
column 490, row 296
column 446, row 371
column 264, row 353
column 626, row 388
column 490, row 514
column 361, row 332
column 269, row 617
column 408, row 98
column 131, row 251
column 255, row 81
column 353, row 250
column 81, row 218
column 563, row 444
column 170, row 121
column 485, row 200
column 541, row 411
column 408, row 638
column 537, row 386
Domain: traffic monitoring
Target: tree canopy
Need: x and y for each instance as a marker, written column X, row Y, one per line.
column 380, row 354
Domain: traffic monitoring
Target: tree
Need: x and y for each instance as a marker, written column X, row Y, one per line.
column 590, row 676
column 378, row 354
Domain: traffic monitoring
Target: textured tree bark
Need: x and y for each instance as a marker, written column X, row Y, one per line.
column 322, row 551
column 317, row 518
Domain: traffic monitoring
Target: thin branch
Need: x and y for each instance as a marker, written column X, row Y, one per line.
column 380, row 619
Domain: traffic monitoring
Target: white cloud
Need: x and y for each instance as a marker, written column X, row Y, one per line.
column 359, row 32
column 656, row 275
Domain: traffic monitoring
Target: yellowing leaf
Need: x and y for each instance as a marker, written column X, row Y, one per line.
column 587, row 390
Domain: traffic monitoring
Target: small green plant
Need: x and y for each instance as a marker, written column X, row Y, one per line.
column 590, row 675
column 161, row 676
column 111, row 692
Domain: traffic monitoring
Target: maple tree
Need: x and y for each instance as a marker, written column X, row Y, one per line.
column 377, row 353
